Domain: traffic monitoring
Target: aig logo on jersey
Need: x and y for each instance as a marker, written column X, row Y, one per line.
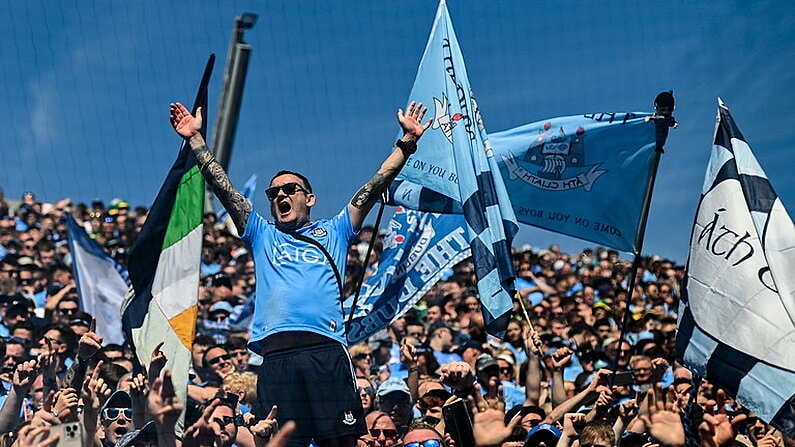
column 287, row 253
column 319, row 233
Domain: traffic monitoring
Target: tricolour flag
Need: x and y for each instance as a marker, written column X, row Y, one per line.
column 418, row 248
column 737, row 316
column 567, row 174
column 102, row 282
column 164, row 263
column 458, row 135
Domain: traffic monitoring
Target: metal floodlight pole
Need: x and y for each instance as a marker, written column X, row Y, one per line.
column 237, row 59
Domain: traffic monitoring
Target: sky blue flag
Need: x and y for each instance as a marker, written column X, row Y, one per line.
column 102, row 282
column 568, row 174
column 458, row 137
column 418, row 248
column 249, row 188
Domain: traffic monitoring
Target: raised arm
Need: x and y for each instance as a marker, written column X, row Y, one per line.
column 364, row 199
column 189, row 127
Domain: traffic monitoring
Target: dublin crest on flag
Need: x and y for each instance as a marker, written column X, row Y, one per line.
column 737, row 315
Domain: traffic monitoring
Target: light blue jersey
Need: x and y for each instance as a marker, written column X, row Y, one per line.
column 296, row 286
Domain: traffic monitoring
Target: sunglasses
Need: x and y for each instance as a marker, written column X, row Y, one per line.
column 288, row 188
column 425, row 443
column 362, row 356
column 216, row 360
column 388, row 433
column 226, row 420
column 111, row 414
column 506, row 370
column 368, row 390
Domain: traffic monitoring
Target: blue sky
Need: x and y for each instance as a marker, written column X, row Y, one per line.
column 86, row 85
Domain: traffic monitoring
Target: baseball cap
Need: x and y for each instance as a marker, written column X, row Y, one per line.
column 146, row 433
column 485, row 361
column 119, row 399
column 222, row 306
column 524, row 410
column 546, row 433
column 393, row 386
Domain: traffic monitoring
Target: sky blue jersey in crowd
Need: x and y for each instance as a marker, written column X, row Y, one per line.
column 296, row 286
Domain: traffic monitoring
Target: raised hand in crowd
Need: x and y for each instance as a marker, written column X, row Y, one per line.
column 94, row 393
column 66, row 403
column 457, row 375
column 37, row 436
column 164, row 407
column 717, row 427
column 90, row 343
column 157, row 362
column 664, row 422
column 265, row 429
column 139, row 388
column 488, row 424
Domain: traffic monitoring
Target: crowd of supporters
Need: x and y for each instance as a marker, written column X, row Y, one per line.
column 434, row 377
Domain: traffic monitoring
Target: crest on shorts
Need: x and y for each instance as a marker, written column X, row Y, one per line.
column 348, row 418
column 319, row 232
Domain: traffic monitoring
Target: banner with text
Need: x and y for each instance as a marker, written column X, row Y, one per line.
column 417, row 250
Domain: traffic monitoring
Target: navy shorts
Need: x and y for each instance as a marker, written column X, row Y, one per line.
column 315, row 387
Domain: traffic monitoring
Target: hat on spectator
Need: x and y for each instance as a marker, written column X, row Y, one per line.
column 507, row 358
column 546, row 433
column 222, row 306
column 147, row 433
column 469, row 344
column 601, row 305
column 119, row 399
column 379, row 339
column 393, row 386
column 485, row 361
column 523, row 410
column 81, row 319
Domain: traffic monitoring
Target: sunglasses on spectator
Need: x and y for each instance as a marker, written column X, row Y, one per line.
column 425, row 443
column 362, row 356
column 216, row 360
column 288, row 188
column 388, row 433
column 226, row 420
column 111, row 414
column 506, row 370
column 368, row 390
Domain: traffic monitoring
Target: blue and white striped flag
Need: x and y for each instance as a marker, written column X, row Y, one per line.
column 249, row 188
column 737, row 315
column 458, row 131
column 102, row 282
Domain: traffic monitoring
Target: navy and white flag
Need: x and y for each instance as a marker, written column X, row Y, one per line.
column 418, row 248
column 458, row 135
column 567, row 174
column 102, row 282
column 249, row 188
column 737, row 315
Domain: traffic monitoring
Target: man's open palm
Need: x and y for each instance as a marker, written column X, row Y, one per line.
column 411, row 120
column 183, row 122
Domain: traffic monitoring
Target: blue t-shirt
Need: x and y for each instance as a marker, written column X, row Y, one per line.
column 296, row 286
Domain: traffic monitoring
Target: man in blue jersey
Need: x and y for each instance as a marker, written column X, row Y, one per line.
column 298, row 324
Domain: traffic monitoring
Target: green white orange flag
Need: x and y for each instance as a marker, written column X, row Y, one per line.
column 164, row 264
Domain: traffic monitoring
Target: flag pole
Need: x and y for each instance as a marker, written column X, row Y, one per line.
column 664, row 105
column 366, row 261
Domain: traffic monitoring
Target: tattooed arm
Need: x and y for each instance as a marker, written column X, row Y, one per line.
column 188, row 127
column 364, row 199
